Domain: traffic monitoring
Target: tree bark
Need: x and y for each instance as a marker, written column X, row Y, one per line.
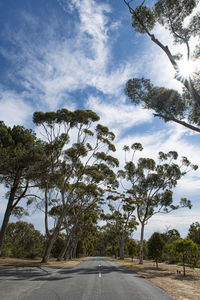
column 64, row 249
column 8, row 210
column 46, row 212
column 141, row 244
column 121, row 248
column 49, row 246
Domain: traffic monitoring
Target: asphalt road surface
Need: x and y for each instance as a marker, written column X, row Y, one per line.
column 94, row 279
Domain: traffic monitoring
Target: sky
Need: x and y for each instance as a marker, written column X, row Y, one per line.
column 79, row 54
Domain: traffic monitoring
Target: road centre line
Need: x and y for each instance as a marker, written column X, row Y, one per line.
column 99, row 271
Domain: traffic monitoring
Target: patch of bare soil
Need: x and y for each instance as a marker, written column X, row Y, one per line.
column 168, row 278
column 37, row 262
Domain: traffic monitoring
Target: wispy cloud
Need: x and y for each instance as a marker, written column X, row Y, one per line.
column 14, row 109
column 119, row 116
column 50, row 68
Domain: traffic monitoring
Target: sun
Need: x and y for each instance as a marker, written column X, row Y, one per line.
column 186, row 68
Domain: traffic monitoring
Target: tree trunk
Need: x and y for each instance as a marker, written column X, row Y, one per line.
column 141, row 244
column 64, row 249
column 121, row 248
column 46, row 211
column 183, row 265
column 5, row 223
column 8, row 211
column 53, row 237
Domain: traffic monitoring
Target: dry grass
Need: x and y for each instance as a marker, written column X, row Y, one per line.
column 166, row 278
column 37, row 262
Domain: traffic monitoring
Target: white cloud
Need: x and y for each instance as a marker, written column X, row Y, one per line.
column 119, row 116
column 180, row 220
column 52, row 66
column 14, row 109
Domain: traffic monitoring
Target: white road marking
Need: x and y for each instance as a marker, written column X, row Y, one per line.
column 99, row 272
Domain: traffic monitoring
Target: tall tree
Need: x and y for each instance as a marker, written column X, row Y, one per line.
column 78, row 161
column 20, row 153
column 152, row 186
column 168, row 104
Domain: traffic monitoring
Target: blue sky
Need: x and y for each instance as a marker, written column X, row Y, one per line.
column 79, row 54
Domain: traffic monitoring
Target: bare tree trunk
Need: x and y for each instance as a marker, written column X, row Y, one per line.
column 52, row 239
column 75, row 248
column 5, row 223
column 46, row 211
column 141, row 244
column 64, row 249
column 156, row 264
column 121, row 248
column 8, row 211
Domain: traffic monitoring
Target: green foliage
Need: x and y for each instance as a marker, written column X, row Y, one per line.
column 132, row 248
column 155, row 247
column 186, row 251
column 171, row 14
column 163, row 101
column 151, row 186
column 146, row 15
column 23, row 241
column 194, row 233
column 170, row 236
column 179, row 19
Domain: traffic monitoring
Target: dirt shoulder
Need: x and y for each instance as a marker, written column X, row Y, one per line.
column 37, row 262
column 167, row 278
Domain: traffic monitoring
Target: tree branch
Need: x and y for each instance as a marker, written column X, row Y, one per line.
column 194, row 128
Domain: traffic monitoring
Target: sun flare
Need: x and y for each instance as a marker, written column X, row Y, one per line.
column 186, row 68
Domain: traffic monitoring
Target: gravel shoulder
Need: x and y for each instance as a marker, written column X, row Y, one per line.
column 167, row 278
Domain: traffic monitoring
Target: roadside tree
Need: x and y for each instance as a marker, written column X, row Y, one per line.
column 186, row 251
column 151, row 186
column 76, row 152
column 20, row 155
column 155, row 247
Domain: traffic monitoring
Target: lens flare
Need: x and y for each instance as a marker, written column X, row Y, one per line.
column 186, row 68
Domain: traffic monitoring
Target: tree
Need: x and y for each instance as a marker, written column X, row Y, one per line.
column 171, row 235
column 194, row 233
column 121, row 216
column 20, row 154
column 81, row 161
column 185, row 250
column 155, row 247
column 151, row 186
column 132, row 248
column 168, row 104
column 23, row 241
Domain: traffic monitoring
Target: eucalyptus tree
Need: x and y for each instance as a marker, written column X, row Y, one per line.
column 182, row 23
column 151, row 186
column 79, row 153
column 82, row 213
column 20, row 155
column 122, row 218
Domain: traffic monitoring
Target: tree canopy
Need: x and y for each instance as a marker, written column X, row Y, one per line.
column 169, row 104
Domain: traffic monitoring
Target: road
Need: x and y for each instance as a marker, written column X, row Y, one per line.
column 94, row 279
